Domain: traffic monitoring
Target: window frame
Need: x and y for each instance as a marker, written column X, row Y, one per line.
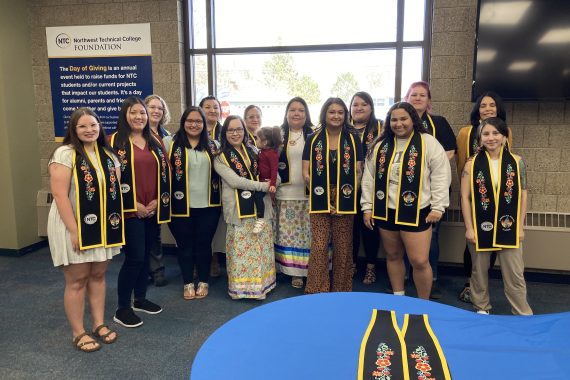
column 211, row 51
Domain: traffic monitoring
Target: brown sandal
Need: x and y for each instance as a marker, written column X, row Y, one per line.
column 103, row 337
column 80, row 345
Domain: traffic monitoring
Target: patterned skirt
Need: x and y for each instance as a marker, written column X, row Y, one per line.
column 293, row 237
column 250, row 260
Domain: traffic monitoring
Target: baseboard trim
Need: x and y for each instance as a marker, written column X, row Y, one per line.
column 25, row 250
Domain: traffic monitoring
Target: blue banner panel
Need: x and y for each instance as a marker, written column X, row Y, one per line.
column 100, row 83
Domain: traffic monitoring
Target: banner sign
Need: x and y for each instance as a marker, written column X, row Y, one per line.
column 97, row 66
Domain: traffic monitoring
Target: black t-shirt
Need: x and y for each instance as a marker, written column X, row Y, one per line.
column 333, row 156
column 443, row 132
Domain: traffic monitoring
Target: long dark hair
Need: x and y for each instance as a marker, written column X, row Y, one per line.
column 71, row 138
column 323, row 115
column 307, row 127
column 501, row 113
column 225, row 144
column 372, row 121
column 387, row 129
column 124, row 129
column 499, row 124
column 182, row 137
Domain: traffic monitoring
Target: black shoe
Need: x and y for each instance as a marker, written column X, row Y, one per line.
column 435, row 292
column 159, row 279
column 146, row 306
column 126, row 317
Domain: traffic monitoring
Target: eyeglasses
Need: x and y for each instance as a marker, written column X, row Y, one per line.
column 193, row 122
column 237, row 131
column 253, row 117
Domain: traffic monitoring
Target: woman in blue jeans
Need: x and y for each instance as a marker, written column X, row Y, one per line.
column 145, row 186
column 196, row 199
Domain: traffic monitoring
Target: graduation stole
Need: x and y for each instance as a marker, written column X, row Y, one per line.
column 319, row 198
column 409, row 180
column 283, row 167
column 128, row 180
column 214, row 134
column 369, row 135
column 99, row 205
column 472, row 143
column 495, row 209
column 178, row 156
column 251, row 138
column 414, row 352
column 429, row 127
column 245, row 167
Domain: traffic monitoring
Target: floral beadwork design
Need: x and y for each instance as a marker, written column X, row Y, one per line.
column 122, row 158
column 383, row 355
column 369, row 137
column 509, row 183
column 421, row 357
column 484, row 198
column 88, row 178
column 112, row 179
column 163, row 165
column 234, row 159
column 178, row 172
column 319, row 157
column 346, row 157
column 382, row 161
column 411, row 172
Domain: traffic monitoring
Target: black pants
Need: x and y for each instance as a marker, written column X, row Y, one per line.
column 371, row 238
column 194, row 235
column 259, row 203
column 140, row 236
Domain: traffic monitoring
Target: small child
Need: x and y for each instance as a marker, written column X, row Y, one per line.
column 269, row 140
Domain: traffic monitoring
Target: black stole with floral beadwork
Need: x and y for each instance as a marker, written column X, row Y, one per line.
column 128, row 185
column 409, row 180
column 99, row 207
column 496, row 208
column 319, row 198
column 472, row 142
column 245, row 167
column 128, row 188
column 180, row 193
column 413, row 352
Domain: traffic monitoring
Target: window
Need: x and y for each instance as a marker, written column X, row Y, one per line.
column 265, row 52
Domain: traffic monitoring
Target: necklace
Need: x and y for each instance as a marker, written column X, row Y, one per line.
column 293, row 140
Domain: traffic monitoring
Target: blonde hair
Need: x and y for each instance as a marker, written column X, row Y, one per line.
column 166, row 114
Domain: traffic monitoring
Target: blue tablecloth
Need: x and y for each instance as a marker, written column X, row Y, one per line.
column 319, row 336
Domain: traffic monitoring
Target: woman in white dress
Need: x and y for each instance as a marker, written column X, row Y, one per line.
column 83, row 234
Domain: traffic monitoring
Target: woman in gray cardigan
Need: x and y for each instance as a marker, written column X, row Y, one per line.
column 250, row 257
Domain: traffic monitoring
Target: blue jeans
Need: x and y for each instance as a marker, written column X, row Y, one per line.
column 433, row 251
column 140, row 236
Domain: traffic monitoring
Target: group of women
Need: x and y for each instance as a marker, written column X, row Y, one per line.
column 350, row 176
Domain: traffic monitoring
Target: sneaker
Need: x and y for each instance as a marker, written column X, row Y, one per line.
column 146, row 306
column 435, row 292
column 126, row 317
column 259, row 223
column 159, row 279
column 484, row 312
column 465, row 294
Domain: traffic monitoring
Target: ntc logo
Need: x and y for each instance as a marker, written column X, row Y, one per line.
column 63, row 40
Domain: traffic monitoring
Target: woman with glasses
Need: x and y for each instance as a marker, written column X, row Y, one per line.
column 196, row 199
column 250, row 257
column 252, row 117
column 158, row 117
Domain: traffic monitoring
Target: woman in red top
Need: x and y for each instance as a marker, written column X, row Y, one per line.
column 145, row 186
column 269, row 140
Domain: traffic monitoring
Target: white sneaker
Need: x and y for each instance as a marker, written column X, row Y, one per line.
column 484, row 312
column 259, row 223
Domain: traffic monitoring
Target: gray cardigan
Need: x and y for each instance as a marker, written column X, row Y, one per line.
column 230, row 182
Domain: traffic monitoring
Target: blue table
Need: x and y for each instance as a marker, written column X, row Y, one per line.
column 319, row 336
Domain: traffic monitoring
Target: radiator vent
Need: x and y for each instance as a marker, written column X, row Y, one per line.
column 534, row 220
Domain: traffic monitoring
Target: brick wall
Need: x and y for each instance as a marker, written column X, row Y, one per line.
column 167, row 34
column 541, row 130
